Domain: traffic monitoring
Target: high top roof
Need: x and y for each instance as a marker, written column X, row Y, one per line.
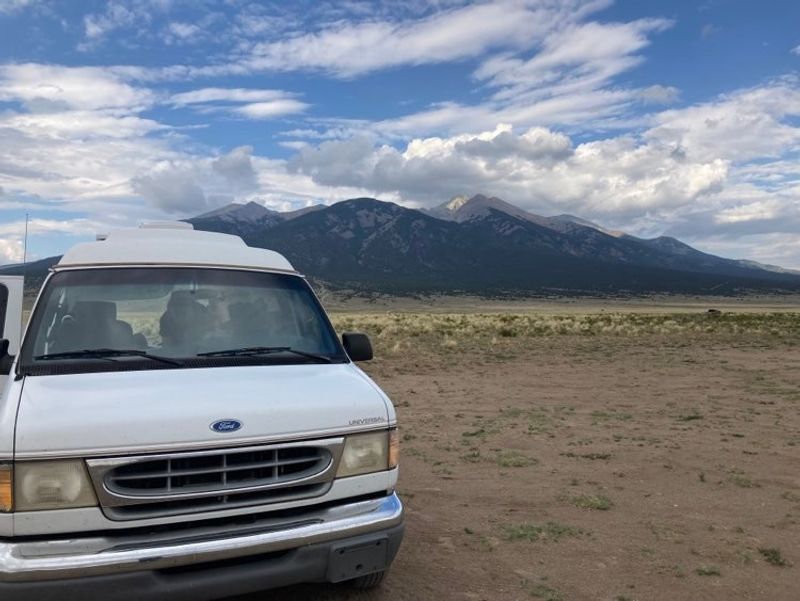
column 172, row 246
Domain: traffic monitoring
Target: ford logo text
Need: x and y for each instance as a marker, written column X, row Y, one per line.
column 226, row 425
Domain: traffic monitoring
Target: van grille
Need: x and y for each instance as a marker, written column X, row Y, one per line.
column 219, row 472
column 152, row 486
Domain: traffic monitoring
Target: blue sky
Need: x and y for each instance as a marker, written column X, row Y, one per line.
column 655, row 117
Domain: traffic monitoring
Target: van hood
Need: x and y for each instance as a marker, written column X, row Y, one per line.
column 111, row 413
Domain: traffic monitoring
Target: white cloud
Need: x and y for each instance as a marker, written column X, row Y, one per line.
column 743, row 125
column 709, row 30
column 189, row 185
column 55, row 87
column 79, row 125
column 184, row 31
column 577, row 55
column 274, row 108
column 569, row 79
column 249, row 103
column 206, row 95
column 237, row 168
column 10, row 251
column 796, row 50
column 349, row 48
column 119, row 14
column 12, row 6
column 658, row 94
column 539, row 169
column 78, row 135
column 173, row 187
column 115, row 16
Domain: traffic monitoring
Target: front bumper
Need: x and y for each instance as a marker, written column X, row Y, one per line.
column 202, row 564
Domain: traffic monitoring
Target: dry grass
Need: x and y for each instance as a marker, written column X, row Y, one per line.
column 400, row 332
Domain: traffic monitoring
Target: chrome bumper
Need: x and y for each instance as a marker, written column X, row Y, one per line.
column 82, row 557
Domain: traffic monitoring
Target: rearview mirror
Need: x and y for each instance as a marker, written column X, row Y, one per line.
column 5, row 359
column 358, row 346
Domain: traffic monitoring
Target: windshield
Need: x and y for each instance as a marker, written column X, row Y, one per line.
column 176, row 313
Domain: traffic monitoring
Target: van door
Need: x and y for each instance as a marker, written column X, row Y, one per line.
column 11, row 289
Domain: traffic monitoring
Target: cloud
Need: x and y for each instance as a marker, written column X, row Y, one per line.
column 743, row 125
column 249, row 103
column 233, row 95
column 796, row 50
column 172, row 187
column 191, row 184
column 10, row 251
column 347, row 48
column 538, row 169
column 120, row 15
column 79, row 125
column 568, row 79
column 274, row 108
column 659, row 94
column 237, row 168
column 579, row 55
column 12, row 6
column 183, row 31
column 708, row 31
column 77, row 134
column 55, row 87
column 115, row 16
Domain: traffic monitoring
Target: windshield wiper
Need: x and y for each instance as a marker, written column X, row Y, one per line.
column 251, row 351
column 107, row 353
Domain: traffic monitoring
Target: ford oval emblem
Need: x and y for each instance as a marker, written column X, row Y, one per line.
column 226, row 425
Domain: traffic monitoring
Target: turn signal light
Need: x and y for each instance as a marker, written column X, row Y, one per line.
column 6, row 492
column 394, row 448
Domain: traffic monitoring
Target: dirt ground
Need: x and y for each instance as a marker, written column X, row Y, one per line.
column 649, row 467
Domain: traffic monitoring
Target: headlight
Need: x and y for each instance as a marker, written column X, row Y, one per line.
column 365, row 453
column 52, row 485
column 6, row 497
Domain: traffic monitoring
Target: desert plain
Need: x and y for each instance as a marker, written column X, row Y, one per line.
column 606, row 450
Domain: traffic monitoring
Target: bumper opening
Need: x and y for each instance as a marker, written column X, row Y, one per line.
column 224, row 564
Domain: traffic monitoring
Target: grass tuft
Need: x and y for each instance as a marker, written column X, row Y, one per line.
column 597, row 502
column 707, row 571
column 514, row 459
column 551, row 531
column 544, row 592
column 772, row 555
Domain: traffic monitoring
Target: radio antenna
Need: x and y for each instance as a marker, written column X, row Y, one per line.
column 25, row 244
column 24, row 269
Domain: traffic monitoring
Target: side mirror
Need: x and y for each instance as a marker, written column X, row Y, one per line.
column 358, row 346
column 5, row 359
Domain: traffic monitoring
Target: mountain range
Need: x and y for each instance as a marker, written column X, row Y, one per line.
column 479, row 245
column 482, row 244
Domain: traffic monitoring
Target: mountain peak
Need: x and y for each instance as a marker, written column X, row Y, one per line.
column 478, row 206
column 250, row 211
column 456, row 203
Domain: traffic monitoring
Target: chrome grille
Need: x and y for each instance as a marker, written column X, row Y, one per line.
column 158, row 485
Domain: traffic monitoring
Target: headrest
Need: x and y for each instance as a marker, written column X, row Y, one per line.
column 95, row 311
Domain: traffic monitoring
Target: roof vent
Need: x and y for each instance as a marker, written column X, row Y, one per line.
column 166, row 225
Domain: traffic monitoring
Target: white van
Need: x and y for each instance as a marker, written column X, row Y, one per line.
column 180, row 421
